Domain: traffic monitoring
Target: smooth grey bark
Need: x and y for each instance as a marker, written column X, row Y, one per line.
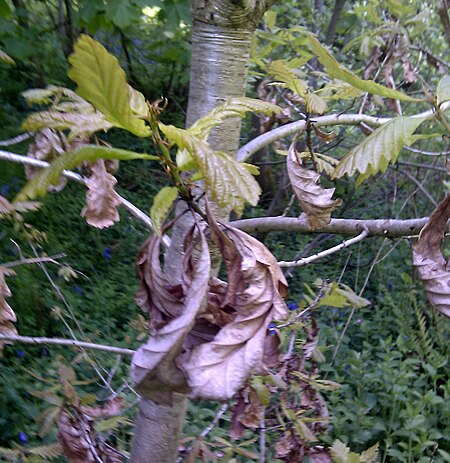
column 221, row 36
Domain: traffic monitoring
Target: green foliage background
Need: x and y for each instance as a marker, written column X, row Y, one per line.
column 392, row 360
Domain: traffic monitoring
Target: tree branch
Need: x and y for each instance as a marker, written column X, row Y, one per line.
column 127, row 205
column 391, row 228
column 322, row 121
column 327, row 252
column 66, row 342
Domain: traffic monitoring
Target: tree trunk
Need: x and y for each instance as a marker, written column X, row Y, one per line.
column 221, row 35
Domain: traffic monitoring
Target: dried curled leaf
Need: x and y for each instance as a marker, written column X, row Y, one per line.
column 243, row 309
column 79, row 440
column 111, row 408
column 173, row 311
column 7, row 315
column 46, row 146
column 316, row 202
column 429, row 261
column 101, row 199
column 78, row 124
column 207, row 336
column 7, row 208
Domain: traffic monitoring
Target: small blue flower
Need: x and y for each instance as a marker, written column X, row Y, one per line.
column 272, row 329
column 23, row 437
column 347, row 368
column 4, row 189
column 292, row 306
column 78, row 290
column 107, row 253
column 20, row 354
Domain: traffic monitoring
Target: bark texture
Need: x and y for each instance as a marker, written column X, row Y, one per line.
column 221, row 36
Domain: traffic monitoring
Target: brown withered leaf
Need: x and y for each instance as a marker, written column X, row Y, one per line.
column 219, row 368
column 316, row 202
column 7, row 315
column 101, row 199
column 5, row 206
column 79, row 440
column 409, row 73
column 319, row 454
column 22, row 206
column 111, row 408
column 429, row 261
column 153, row 363
column 47, row 145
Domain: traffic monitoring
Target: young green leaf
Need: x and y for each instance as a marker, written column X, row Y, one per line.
column 379, row 148
column 102, row 82
column 161, row 205
column 279, row 71
column 234, row 107
column 443, row 90
column 228, row 182
column 338, row 71
column 49, row 176
column 315, row 104
column 78, row 124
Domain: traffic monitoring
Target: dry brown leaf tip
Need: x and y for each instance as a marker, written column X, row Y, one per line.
column 429, row 261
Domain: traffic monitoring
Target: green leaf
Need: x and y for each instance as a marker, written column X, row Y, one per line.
column 339, row 452
column 5, row 58
column 234, row 107
column 443, row 90
column 315, row 104
column 370, row 455
column 338, row 71
column 161, row 205
column 49, row 176
column 379, row 148
column 78, row 124
column 280, row 71
column 102, row 82
column 228, row 182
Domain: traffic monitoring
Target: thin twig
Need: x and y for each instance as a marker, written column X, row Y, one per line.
column 127, row 205
column 15, row 140
column 420, row 186
column 66, row 342
column 322, row 121
column 349, row 319
column 206, row 431
column 262, row 437
column 34, row 260
column 307, row 260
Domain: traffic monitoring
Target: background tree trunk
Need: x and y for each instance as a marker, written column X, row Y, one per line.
column 221, row 37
